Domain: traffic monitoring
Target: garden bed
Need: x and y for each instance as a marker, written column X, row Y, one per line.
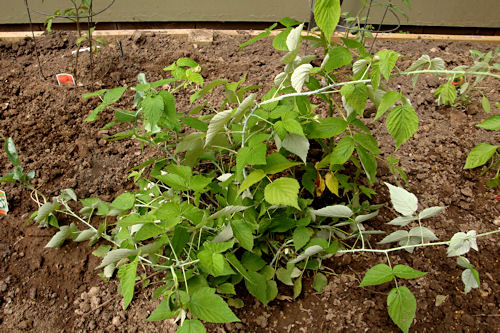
column 52, row 290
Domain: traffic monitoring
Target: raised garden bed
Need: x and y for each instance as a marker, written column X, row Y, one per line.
column 52, row 290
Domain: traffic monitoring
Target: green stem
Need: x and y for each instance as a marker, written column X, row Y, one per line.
column 450, row 72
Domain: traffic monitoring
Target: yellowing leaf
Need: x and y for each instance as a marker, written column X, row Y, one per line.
column 332, row 183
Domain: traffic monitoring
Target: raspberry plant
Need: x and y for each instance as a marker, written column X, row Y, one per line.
column 236, row 197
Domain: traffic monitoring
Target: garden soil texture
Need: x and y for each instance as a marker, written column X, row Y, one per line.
column 59, row 290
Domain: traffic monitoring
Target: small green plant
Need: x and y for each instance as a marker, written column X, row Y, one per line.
column 80, row 9
column 261, row 189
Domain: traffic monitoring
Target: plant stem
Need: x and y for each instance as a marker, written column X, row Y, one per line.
column 450, row 72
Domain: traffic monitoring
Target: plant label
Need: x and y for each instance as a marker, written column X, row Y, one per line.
column 4, row 207
column 63, row 79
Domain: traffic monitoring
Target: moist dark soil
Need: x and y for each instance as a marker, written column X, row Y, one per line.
column 59, row 290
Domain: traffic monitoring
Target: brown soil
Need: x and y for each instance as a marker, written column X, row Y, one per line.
column 58, row 290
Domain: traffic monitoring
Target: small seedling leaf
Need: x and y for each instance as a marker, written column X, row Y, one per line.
column 402, row 220
column 376, row 275
column 404, row 202
column 401, row 307
column 461, row 243
column 320, row 282
column 85, row 235
column 10, row 149
column 58, row 239
column 470, row 278
column 114, row 256
column 44, row 211
column 485, row 103
column 406, row 272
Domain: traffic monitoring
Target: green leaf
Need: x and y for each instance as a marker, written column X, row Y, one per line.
column 387, row 101
column 404, row 202
column 396, row 236
column 301, row 237
column 279, row 41
column 402, row 123
column 327, row 128
column 406, row 272
column 255, row 286
column 124, row 201
column 367, row 141
column 378, row 274
column 356, row 96
column 320, row 282
column 85, row 235
column 297, row 287
column 430, row 212
column 479, row 155
column 296, row 144
column 213, row 262
column 10, row 149
column 333, row 211
column 114, row 256
column 470, row 278
column 282, row 191
column 342, row 151
column 300, row 75
column 216, row 125
column 153, row 109
column 337, row 57
column 243, row 234
column 113, row 95
column 327, row 16
column 44, row 211
column 445, row 94
column 95, row 93
column 369, row 163
column 491, row 123
column 387, row 62
column 485, row 104
column 252, row 178
column 264, row 34
column 293, row 126
column 191, row 326
column 401, row 307
column 293, row 40
column 276, row 163
column 228, row 210
column 162, row 311
column 58, row 239
column 126, row 275
column 208, row 306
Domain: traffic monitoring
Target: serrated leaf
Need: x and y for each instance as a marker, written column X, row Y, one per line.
column 293, row 38
column 422, row 232
column 491, row 123
column 85, row 235
column 114, row 256
column 396, row 236
column 228, row 210
column 296, row 144
column 387, row 62
column 446, row 94
column 162, row 311
column 430, row 212
column 206, row 305
column 301, row 237
column 402, row 123
column 479, row 155
column 327, row 128
column 337, row 57
column 320, row 282
column 243, row 233
column 388, row 100
column 216, row 125
column 367, row 141
column 461, row 243
column 376, row 275
column 300, row 75
column 252, row 178
column 404, row 202
column 470, row 278
column 333, row 211
column 255, row 286
column 363, row 218
column 58, row 239
column 402, row 220
column 124, row 201
column 153, row 109
column 401, row 306
column 369, row 163
column 113, row 95
column 406, row 272
column 276, row 163
column 126, row 275
column 226, row 288
column 282, row 191
column 356, row 96
column 191, row 326
column 44, row 211
column 342, row 151
column 327, row 15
